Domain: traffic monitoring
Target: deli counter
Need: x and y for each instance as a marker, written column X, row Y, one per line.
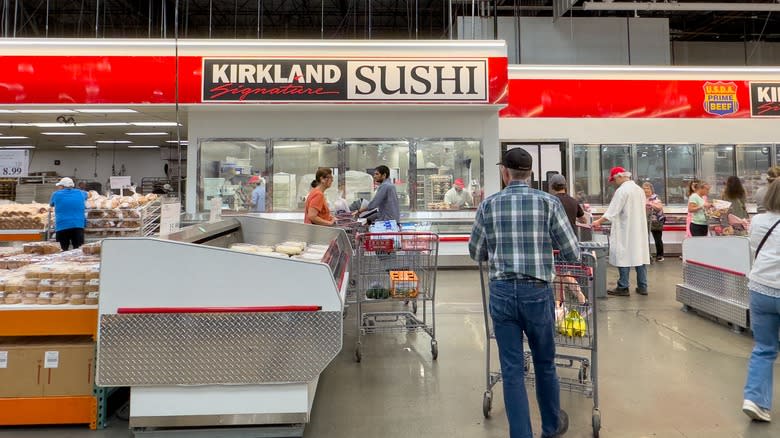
column 206, row 336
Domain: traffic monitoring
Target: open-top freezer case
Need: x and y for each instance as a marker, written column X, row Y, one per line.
column 208, row 336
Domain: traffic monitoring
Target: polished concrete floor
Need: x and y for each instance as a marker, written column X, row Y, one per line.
column 663, row 373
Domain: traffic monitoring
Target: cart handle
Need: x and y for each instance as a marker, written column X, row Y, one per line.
column 263, row 309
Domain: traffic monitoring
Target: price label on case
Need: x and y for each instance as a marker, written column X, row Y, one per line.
column 14, row 162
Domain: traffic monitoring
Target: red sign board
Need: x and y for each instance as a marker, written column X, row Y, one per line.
column 602, row 98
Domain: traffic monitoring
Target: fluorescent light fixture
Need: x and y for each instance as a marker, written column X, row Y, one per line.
column 77, row 125
column 94, row 124
column 86, row 146
column 17, row 147
column 146, row 133
column 175, row 141
column 12, row 124
column 52, row 125
column 155, row 124
column 114, row 141
column 62, row 133
column 143, row 147
column 12, row 137
column 6, row 111
column 106, row 110
column 45, row 111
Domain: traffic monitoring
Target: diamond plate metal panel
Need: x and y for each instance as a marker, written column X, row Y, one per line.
column 216, row 348
column 726, row 310
column 722, row 285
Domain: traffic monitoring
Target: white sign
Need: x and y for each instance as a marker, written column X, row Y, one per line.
column 215, row 210
column 3, row 359
column 51, row 359
column 14, row 162
column 417, row 80
column 120, row 182
column 170, row 218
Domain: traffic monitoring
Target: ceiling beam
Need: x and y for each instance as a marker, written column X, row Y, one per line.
column 680, row 6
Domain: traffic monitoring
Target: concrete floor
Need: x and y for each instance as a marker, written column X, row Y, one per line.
column 663, row 373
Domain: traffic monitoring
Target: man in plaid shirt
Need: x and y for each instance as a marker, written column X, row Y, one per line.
column 516, row 231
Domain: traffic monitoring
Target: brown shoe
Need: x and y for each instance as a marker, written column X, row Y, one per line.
column 619, row 292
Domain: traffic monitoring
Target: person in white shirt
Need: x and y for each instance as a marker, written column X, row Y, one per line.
column 764, row 286
column 457, row 196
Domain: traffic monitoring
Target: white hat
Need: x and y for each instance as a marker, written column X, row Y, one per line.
column 65, row 182
column 167, row 188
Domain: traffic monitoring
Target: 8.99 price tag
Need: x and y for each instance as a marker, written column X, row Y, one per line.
column 14, row 162
column 12, row 171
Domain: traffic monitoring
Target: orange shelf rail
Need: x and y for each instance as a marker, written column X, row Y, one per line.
column 48, row 410
column 48, row 322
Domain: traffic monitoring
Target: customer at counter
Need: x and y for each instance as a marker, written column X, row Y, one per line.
column 457, row 196
column 385, row 199
column 734, row 192
column 655, row 214
column 316, row 208
column 758, row 197
column 764, row 286
column 697, row 204
column 69, row 214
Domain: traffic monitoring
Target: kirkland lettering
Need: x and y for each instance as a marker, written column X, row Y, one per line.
column 768, row 94
column 416, row 80
column 275, row 74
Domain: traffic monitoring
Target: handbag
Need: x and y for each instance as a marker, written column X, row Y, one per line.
column 763, row 241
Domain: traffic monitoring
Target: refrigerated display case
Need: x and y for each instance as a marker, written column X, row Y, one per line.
column 217, row 337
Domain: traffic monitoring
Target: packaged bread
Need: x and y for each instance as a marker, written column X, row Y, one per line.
column 92, row 298
column 14, row 284
column 2, row 284
column 91, row 248
column 45, row 285
column 30, row 298
column 93, row 272
column 77, row 299
column 59, row 298
column 59, row 272
column 76, row 272
column 92, row 286
column 44, row 298
column 301, row 245
column 59, row 286
column 288, row 249
column 75, row 287
column 14, row 298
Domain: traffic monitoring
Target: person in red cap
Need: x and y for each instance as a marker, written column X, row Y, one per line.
column 258, row 194
column 628, row 242
column 457, row 197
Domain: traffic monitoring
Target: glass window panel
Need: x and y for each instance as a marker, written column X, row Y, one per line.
column 225, row 169
column 717, row 164
column 611, row 156
column 587, row 176
column 680, row 171
column 777, row 155
column 295, row 163
column 650, row 167
column 363, row 156
column 752, row 163
column 440, row 163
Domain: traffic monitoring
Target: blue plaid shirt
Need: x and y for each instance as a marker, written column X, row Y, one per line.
column 516, row 230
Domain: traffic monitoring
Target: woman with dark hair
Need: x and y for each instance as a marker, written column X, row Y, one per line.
column 316, row 210
column 656, row 219
column 734, row 192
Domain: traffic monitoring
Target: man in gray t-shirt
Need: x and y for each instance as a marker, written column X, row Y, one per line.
column 385, row 198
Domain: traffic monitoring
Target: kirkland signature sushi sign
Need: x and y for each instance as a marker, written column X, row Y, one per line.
column 359, row 80
column 765, row 99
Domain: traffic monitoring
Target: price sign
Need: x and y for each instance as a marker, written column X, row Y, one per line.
column 14, row 162
column 120, row 182
column 170, row 218
column 215, row 212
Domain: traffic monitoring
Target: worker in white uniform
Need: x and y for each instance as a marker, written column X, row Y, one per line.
column 457, row 197
column 628, row 242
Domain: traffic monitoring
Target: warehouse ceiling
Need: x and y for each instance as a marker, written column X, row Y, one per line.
column 330, row 19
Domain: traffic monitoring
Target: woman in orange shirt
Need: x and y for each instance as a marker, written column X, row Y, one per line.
column 316, row 211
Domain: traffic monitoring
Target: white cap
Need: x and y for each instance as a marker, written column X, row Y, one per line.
column 65, row 182
column 167, row 188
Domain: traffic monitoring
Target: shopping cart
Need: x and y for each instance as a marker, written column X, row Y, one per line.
column 392, row 268
column 353, row 228
column 576, row 337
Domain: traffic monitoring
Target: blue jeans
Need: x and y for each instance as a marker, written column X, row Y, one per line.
column 765, row 322
column 517, row 307
column 641, row 276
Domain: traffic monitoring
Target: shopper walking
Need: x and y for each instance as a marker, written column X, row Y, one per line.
column 316, row 207
column 697, row 205
column 655, row 214
column 764, row 286
column 571, row 206
column 628, row 242
column 758, row 197
column 386, row 198
column 69, row 214
column 515, row 231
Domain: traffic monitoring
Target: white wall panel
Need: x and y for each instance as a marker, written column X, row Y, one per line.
column 649, row 41
column 81, row 163
column 726, row 53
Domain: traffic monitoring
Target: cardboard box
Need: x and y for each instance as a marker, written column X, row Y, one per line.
column 35, row 367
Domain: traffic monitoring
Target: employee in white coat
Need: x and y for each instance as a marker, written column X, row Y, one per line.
column 628, row 242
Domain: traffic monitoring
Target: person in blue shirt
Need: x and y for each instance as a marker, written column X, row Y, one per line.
column 258, row 194
column 385, row 198
column 70, row 220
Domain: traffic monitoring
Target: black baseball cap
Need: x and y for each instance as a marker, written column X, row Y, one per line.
column 517, row 159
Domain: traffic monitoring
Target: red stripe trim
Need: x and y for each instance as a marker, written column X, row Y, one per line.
column 716, row 268
column 454, row 238
column 264, row 309
column 674, row 227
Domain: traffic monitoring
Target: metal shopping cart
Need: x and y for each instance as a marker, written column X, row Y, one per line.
column 575, row 335
column 392, row 268
column 353, row 228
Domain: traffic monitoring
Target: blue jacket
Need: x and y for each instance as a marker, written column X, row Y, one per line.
column 69, row 208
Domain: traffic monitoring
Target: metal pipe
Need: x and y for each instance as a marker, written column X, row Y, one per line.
column 495, row 19
column 647, row 6
column 47, row 18
column 473, row 21
column 97, row 18
column 449, row 17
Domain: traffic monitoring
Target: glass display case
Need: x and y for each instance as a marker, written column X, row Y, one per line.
column 225, row 169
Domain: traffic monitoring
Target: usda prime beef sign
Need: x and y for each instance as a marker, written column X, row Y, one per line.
column 271, row 80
